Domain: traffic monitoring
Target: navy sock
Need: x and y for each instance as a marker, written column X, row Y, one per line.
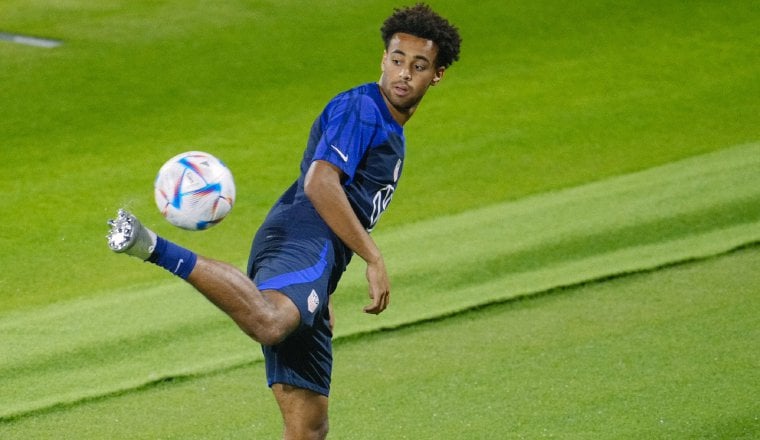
column 173, row 258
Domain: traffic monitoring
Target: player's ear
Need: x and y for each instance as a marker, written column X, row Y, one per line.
column 438, row 76
column 382, row 60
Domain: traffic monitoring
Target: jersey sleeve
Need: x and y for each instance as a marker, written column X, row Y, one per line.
column 350, row 127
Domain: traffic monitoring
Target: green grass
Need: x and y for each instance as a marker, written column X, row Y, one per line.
column 658, row 355
column 547, row 96
column 143, row 335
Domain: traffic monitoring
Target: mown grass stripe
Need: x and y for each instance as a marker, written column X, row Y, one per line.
column 67, row 352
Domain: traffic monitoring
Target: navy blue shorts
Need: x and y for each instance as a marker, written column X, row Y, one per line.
column 295, row 253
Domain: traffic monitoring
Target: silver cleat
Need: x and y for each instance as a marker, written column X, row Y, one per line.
column 129, row 236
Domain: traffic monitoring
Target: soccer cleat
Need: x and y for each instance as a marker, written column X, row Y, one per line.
column 129, row 236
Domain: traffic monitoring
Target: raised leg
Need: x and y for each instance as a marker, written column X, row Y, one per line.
column 268, row 317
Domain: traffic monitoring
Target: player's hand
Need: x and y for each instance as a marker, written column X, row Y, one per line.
column 379, row 287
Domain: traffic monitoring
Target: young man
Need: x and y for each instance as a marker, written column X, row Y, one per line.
column 349, row 172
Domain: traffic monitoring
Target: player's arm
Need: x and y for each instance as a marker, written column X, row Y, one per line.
column 324, row 190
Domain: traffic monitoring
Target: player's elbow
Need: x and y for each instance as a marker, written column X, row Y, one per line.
column 311, row 190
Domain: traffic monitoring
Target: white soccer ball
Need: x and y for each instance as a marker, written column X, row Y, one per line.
column 194, row 190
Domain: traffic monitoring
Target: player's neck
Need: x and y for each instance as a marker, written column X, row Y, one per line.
column 401, row 116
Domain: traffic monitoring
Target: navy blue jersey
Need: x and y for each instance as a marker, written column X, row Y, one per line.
column 357, row 133
column 297, row 254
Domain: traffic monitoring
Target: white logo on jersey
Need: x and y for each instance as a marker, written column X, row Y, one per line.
column 313, row 301
column 342, row 155
column 381, row 201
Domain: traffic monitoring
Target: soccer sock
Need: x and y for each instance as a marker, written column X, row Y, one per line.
column 174, row 258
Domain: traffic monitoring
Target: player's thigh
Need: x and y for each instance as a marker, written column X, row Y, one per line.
column 304, row 412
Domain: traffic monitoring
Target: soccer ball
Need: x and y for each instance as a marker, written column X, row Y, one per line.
column 194, row 190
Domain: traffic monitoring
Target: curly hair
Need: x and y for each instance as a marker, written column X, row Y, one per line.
column 421, row 21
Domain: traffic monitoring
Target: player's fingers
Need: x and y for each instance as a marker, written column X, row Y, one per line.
column 384, row 300
column 379, row 303
column 373, row 308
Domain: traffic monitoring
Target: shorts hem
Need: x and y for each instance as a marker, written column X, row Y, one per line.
column 304, row 385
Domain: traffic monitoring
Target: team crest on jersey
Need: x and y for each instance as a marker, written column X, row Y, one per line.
column 313, row 301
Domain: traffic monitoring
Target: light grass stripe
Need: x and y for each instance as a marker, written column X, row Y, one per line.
column 137, row 335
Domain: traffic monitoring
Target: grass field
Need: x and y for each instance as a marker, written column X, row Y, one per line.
column 654, row 355
column 573, row 144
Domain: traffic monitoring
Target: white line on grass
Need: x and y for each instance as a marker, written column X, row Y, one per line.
column 30, row 41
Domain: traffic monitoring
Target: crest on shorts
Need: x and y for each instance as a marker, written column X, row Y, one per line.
column 313, row 302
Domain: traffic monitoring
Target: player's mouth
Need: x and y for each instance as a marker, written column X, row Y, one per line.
column 401, row 89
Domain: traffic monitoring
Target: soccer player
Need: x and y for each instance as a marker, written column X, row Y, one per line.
column 349, row 172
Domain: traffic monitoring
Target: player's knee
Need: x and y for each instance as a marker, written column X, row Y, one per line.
column 270, row 330
column 269, row 336
column 321, row 432
column 307, row 431
column 263, row 331
column 271, row 324
column 278, row 320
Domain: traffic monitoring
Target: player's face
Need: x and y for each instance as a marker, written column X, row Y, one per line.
column 408, row 70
